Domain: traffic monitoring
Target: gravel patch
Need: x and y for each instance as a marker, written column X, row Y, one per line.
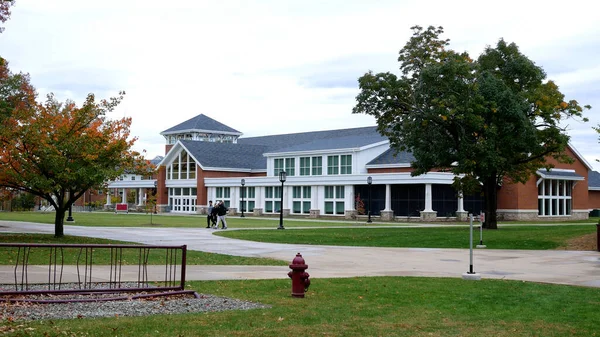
column 168, row 305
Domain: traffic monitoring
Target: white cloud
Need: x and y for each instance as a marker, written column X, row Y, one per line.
column 276, row 66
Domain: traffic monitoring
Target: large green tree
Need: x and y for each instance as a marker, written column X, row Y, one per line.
column 491, row 120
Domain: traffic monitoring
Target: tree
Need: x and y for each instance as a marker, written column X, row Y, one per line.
column 58, row 151
column 5, row 11
column 489, row 121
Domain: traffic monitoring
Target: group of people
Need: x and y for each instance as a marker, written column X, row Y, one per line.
column 216, row 214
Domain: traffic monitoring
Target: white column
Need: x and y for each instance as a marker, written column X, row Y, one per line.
column 461, row 203
column 124, row 197
column 108, row 197
column 349, row 198
column 428, row 198
column 259, row 199
column 287, row 198
column 140, row 197
column 388, row 197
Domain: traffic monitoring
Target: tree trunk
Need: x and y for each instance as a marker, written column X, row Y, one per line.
column 59, row 220
column 491, row 203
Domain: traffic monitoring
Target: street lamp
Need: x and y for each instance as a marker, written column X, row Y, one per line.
column 70, row 217
column 243, row 204
column 282, row 176
column 369, row 182
column 153, row 202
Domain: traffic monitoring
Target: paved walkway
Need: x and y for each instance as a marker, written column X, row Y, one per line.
column 563, row 267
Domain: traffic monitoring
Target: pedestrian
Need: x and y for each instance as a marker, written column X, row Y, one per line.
column 209, row 215
column 213, row 215
column 222, row 211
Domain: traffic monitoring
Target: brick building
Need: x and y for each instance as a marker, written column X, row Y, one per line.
column 327, row 175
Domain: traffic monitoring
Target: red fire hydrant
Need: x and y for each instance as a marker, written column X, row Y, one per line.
column 300, row 278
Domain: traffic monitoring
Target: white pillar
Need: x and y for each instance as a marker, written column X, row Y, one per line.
column 124, row 197
column 287, row 198
column 461, row 203
column 259, row 199
column 349, row 198
column 388, row 197
column 428, row 198
column 140, row 197
column 108, row 197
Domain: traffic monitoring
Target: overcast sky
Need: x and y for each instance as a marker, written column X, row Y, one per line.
column 271, row 67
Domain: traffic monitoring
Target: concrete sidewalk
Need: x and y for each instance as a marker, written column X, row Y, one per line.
column 563, row 267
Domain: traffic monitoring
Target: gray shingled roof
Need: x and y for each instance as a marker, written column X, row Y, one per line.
column 276, row 143
column 594, row 179
column 201, row 122
column 335, row 143
column 388, row 158
column 227, row 155
column 248, row 152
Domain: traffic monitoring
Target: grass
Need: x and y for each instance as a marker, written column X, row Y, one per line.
column 377, row 306
column 40, row 256
column 109, row 219
column 444, row 236
column 513, row 237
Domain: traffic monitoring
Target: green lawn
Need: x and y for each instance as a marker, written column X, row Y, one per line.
column 376, row 306
column 109, row 219
column 102, row 256
column 509, row 237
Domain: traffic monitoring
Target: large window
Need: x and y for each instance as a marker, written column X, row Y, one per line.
column 290, row 166
column 346, row 164
column 277, row 166
column 555, row 197
column 182, row 167
column 304, row 166
column 249, row 195
column 224, row 194
column 317, row 166
column 284, row 164
column 333, row 165
column 339, row 164
column 311, row 166
column 182, row 199
column 334, row 200
column 301, row 199
column 272, row 199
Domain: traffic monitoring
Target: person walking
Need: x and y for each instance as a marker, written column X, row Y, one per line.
column 222, row 212
column 209, row 215
column 214, row 215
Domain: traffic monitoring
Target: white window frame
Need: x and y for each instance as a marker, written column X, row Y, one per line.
column 272, row 198
column 183, row 199
column 301, row 196
column 335, row 195
column 555, row 197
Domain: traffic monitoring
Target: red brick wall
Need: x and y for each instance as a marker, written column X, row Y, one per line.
column 162, row 195
column 594, row 199
column 524, row 196
column 168, row 148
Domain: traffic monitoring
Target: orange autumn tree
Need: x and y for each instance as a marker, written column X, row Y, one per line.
column 58, row 151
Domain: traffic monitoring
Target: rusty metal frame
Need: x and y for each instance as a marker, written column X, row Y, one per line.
column 174, row 256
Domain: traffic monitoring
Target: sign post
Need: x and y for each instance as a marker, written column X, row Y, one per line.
column 471, row 275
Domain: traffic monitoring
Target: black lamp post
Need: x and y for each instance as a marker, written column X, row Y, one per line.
column 369, row 182
column 153, row 202
column 282, row 176
column 70, row 217
column 243, row 204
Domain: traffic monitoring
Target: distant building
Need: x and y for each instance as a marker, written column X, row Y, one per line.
column 327, row 175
